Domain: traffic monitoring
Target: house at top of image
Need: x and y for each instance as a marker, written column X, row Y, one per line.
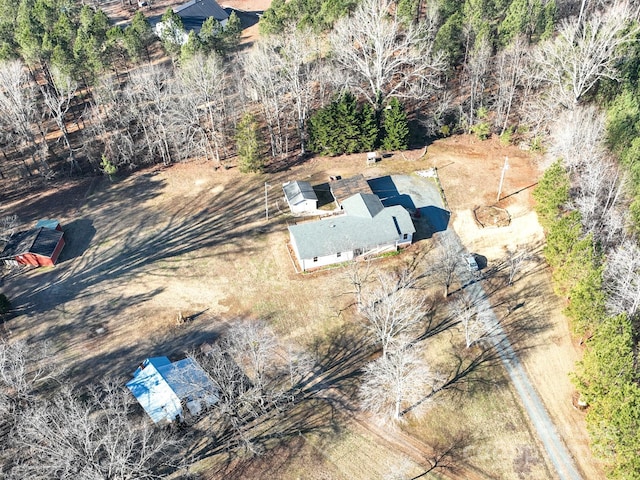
column 40, row 246
column 193, row 14
column 165, row 389
column 365, row 228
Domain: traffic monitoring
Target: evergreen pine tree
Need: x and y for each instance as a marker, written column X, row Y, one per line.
column 211, row 36
column 232, row 32
column 248, row 145
column 348, row 122
column 395, row 126
column 369, row 129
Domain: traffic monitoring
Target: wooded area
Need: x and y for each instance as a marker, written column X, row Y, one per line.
column 79, row 97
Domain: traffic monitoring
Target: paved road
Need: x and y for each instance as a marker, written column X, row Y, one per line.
column 556, row 450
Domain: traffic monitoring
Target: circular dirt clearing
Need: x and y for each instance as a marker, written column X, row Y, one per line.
column 492, row 216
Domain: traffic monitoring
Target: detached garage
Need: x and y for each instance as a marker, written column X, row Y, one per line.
column 300, row 197
column 37, row 247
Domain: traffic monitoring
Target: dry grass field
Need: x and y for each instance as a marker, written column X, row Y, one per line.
column 195, row 240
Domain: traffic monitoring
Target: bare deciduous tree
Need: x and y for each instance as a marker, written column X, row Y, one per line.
column 510, row 75
column 622, row 278
column 471, row 319
column 254, row 347
column 447, row 262
column 96, row 437
column 576, row 136
column 264, row 86
column 586, row 50
column 393, row 310
column 475, row 73
column 298, row 67
column 255, row 377
column 357, row 273
column 19, row 113
column 23, row 369
column 516, row 259
column 8, row 226
column 380, row 57
column 204, row 88
column 57, row 99
column 394, row 383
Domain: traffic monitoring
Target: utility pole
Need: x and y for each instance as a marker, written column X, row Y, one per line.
column 266, row 200
column 504, row 170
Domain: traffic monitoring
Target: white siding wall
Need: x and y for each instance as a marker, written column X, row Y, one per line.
column 306, row 206
column 309, row 263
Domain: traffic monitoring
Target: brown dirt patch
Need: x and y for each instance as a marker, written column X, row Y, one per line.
column 492, row 216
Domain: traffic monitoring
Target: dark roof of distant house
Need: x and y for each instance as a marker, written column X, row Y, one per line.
column 297, row 192
column 348, row 187
column 195, row 12
column 39, row 241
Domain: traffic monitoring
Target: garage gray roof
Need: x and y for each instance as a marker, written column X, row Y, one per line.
column 348, row 232
column 366, row 205
column 297, row 192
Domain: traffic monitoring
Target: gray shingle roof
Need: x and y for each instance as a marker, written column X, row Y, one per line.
column 348, row 232
column 366, row 205
column 297, row 192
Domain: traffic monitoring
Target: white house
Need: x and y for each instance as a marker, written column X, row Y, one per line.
column 300, row 197
column 366, row 228
column 164, row 389
column 193, row 14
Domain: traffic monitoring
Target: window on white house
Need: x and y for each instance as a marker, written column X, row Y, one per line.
column 405, row 236
column 315, row 259
column 338, row 254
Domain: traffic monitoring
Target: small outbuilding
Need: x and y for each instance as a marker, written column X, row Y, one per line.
column 40, row 246
column 300, row 197
column 165, row 389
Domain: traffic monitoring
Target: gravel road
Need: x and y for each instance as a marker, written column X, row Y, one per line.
column 547, row 433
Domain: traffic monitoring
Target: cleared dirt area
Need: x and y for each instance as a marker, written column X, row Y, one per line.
column 195, row 240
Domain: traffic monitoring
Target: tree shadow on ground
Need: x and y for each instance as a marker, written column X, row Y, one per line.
column 56, row 200
column 77, row 236
column 323, row 397
column 140, row 244
column 286, row 163
column 450, row 449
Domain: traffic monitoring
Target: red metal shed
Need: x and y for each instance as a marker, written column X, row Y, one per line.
column 40, row 246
